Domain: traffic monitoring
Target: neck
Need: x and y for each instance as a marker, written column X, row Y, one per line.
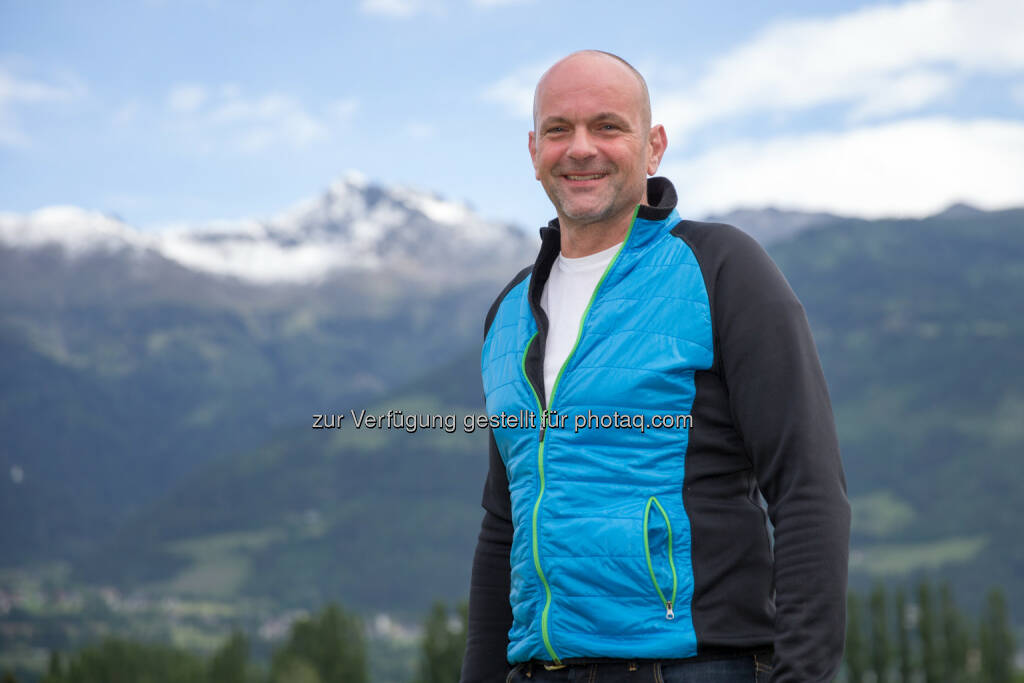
column 584, row 239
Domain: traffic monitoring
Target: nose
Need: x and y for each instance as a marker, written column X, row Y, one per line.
column 581, row 146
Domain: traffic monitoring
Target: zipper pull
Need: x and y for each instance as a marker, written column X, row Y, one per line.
column 669, row 614
column 542, row 430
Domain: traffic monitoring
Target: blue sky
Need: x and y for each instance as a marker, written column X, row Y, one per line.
column 164, row 112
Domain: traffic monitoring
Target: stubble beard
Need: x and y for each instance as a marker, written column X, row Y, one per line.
column 606, row 209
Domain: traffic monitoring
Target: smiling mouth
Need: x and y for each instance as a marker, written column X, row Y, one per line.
column 593, row 176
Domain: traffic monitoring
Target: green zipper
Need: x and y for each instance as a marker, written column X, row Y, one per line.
column 540, row 449
column 536, row 509
column 669, row 613
column 586, row 311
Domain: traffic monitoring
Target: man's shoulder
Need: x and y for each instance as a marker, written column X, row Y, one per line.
column 520, row 276
column 720, row 244
column 732, row 261
column 711, row 237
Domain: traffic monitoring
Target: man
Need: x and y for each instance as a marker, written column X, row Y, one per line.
column 673, row 376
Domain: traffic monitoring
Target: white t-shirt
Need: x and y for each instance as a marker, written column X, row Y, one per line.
column 564, row 299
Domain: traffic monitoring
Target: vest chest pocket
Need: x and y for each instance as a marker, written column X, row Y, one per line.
column 658, row 550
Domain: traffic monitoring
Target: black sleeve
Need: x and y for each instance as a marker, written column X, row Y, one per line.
column 490, row 614
column 781, row 407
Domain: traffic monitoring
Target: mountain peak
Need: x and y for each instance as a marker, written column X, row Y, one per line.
column 960, row 210
column 355, row 178
column 354, row 224
column 75, row 229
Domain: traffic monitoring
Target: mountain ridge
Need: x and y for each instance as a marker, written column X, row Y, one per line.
column 353, row 226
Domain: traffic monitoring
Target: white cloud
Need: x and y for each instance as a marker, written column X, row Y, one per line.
column 912, row 167
column 880, row 60
column 11, row 134
column 903, row 93
column 343, row 109
column 213, row 117
column 14, row 89
column 499, row 3
column 127, row 113
column 1017, row 92
column 420, row 130
column 18, row 92
column 398, row 9
column 515, row 91
column 186, row 97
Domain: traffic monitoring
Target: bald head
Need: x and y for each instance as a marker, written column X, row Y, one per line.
column 593, row 63
column 593, row 147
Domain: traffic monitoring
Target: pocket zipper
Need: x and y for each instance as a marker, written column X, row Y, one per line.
column 669, row 613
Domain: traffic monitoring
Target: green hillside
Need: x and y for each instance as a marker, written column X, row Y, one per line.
column 920, row 329
column 376, row 518
column 122, row 375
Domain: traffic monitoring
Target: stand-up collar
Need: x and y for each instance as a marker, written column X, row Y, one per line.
column 661, row 200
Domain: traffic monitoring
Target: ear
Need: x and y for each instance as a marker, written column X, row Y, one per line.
column 533, row 154
column 657, row 141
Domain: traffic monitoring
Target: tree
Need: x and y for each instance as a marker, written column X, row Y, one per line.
column 904, row 655
column 120, row 661
column 294, row 670
column 955, row 635
column 880, row 647
column 444, row 642
column 228, row 664
column 332, row 643
column 856, row 657
column 54, row 669
column 926, row 632
column 997, row 644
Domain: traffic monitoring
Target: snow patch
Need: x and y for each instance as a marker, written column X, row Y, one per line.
column 350, row 226
column 75, row 230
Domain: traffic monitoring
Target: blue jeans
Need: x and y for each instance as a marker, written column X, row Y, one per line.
column 750, row 669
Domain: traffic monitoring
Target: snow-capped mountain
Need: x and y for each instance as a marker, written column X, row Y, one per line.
column 354, row 226
column 76, row 230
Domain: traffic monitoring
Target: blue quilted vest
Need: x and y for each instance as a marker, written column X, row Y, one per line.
column 600, row 562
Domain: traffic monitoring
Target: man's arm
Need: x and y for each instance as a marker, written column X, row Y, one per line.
column 490, row 615
column 781, row 408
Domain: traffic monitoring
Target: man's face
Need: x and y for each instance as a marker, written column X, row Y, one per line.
column 592, row 148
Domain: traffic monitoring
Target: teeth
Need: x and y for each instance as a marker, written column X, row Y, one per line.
column 584, row 177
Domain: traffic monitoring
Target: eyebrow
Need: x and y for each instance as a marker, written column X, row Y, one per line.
column 602, row 116
column 612, row 116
